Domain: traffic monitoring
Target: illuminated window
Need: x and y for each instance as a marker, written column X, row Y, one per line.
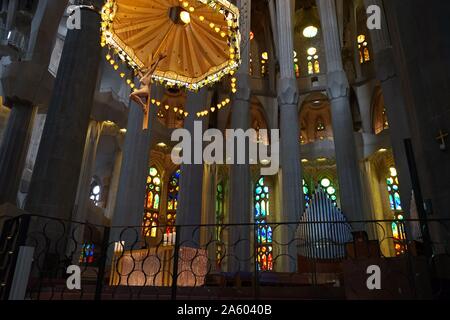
column 296, row 66
column 264, row 231
column 87, row 253
column 329, row 188
column 310, row 31
column 398, row 229
column 364, row 54
column 172, row 201
column 264, row 64
column 95, row 193
column 220, row 219
column 152, row 202
column 313, row 61
column 306, row 194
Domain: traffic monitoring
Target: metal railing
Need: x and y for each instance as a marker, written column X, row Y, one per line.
column 230, row 261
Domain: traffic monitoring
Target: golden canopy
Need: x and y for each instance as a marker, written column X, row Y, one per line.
column 200, row 38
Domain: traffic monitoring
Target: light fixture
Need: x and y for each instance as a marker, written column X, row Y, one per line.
column 185, row 17
column 162, row 145
column 179, row 15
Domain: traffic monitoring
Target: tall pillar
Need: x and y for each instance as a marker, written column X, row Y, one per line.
column 394, row 100
column 129, row 207
column 291, row 175
column 13, row 149
column 240, row 195
column 344, row 140
column 190, row 196
column 55, row 178
column 208, row 234
column 114, row 186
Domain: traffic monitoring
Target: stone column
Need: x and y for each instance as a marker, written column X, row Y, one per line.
column 240, row 195
column 394, row 100
column 114, row 186
column 13, row 149
column 55, row 178
column 129, row 207
column 208, row 234
column 344, row 140
column 190, row 196
column 291, row 175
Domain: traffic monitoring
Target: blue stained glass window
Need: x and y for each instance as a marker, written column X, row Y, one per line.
column 257, row 209
column 264, row 233
column 395, row 203
column 172, row 201
column 87, row 253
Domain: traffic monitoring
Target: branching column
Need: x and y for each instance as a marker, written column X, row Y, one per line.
column 344, row 140
column 240, row 197
column 289, row 143
column 55, row 178
column 190, row 196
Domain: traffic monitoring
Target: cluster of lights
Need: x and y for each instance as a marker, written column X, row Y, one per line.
column 224, row 7
column 213, row 109
column 177, row 110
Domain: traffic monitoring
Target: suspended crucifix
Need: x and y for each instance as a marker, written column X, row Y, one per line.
column 142, row 96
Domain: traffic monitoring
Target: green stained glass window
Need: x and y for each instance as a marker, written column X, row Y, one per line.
column 328, row 186
column 264, row 231
column 306, row 193
column 398, row 232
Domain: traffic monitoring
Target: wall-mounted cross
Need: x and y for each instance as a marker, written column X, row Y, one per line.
column 441, row 138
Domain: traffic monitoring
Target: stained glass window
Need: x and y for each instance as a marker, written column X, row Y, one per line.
column 306, row 194
column 313, row 61
column 296, row 66
column 172, row 201
column 95, row 193
column 329, row 188
column 264, row 231
column 220, row 216
column 87, row 253
column 364, row 54
column 264, row 64
column 398, row 230
column 152, row 202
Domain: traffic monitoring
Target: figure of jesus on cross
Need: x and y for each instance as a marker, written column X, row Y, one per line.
column 142, row 95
